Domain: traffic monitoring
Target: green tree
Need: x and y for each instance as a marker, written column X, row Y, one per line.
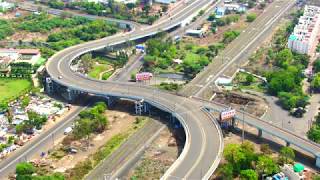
column 249, row 79
column 83, row 128
column 286, row 156
column 57, row 4
column 36, row 120
column 266, row 165
column 229, row 36
column 265, row 148
column 251, row 17
column 25, row 101
column 248, row 174
column 315, row 83
column 212, row 17
column 314, row 133
column 240, row 156
column 226, row 171
column 292, row 100
column 24, row 168
column 316, row 177
column 316, row 65
column 284, row 58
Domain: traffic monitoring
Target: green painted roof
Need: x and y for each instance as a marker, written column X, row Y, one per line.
column 298, row 167
column 293, row 37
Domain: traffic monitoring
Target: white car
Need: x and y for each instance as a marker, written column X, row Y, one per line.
column 67, row 130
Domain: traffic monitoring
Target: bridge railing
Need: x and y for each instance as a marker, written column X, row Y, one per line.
column 264, row 122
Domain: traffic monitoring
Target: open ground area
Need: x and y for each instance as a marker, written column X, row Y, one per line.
column 13, row 88
column 158, row 157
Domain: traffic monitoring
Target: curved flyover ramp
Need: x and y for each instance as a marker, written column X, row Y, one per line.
column 204, row 143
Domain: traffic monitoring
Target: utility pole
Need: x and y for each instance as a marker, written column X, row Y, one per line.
column 242, row 137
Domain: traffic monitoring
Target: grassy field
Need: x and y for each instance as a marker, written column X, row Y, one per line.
column 255, row 85
column 13, row 88
column 97, row 70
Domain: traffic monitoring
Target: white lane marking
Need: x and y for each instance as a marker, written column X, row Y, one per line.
column 243, row 50
column 40, row 141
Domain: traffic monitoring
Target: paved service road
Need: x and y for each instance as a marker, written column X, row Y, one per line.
column 37, row 145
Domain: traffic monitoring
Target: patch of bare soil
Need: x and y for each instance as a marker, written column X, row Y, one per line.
column 12, row 15
column 159, row 156
column 28, row 36
column 252, row 104
column 59, row 160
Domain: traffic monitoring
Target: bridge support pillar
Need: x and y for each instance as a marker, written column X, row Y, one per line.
column 318, row 160
column 140, row 107
column 287, row 143
column 110, row 101
column 70, row 94
column 49, row 86
column 259, row 133
column 233, row 122
column 175, row 122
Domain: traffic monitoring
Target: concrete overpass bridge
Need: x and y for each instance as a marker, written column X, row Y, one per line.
column 204, row 143
column 203, row 148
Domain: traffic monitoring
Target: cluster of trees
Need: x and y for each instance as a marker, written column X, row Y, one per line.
column 91, row 121
column 226, row 20
column 160, row 55
column 90, row 31
column 286, row 84
column 315, row 83
column 35, row 121
column 26, row 171
column 5, row 29
column 56, row 4
column 285, row 81
column 170, row 86
column 116, row 9
column 251, row 17
column 229, row 36
column 243, row 161
column 21, row 69
column 43, row 23
column 10, row 141
column 193, row 63
column 314, row 132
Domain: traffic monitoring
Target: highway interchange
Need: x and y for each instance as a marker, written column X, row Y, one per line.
column 204, row 142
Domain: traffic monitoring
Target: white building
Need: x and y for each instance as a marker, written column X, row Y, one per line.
column 21, row 55
column 5, row 6
column 305, row 36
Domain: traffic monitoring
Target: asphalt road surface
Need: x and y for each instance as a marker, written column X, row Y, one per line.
column 203, row 143
column 120, row 162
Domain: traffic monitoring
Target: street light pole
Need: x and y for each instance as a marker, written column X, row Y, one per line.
column 242, row 137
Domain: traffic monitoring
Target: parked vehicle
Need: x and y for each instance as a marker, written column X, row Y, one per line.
column 67, row 130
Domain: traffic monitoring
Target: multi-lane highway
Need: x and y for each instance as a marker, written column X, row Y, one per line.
column 204, row 143
column 238, row 51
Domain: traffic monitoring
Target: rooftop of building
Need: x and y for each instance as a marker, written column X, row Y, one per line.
column 21, row 51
